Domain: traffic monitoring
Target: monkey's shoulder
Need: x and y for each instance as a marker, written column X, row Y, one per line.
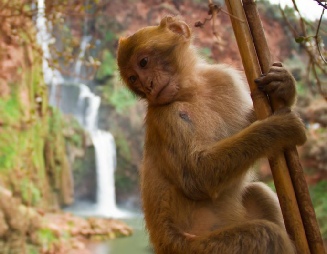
column 223, row 87
column 221, row 80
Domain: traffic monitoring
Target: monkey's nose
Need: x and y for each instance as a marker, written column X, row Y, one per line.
column 149, row 86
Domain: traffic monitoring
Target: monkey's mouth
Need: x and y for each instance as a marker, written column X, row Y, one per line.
column 162, row 89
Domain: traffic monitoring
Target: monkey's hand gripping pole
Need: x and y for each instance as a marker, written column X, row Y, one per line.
column 299, row 216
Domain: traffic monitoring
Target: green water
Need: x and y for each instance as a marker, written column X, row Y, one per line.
column 138, row 243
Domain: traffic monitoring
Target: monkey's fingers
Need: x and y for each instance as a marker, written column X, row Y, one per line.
column 272, row 87
column 280, row 90
column 265, row 79
column 276, row 68
column 278, row 84
column 279, row 64
column 276, row 73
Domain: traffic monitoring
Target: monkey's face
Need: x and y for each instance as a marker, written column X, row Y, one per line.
column 148, row 60
column 151, row 76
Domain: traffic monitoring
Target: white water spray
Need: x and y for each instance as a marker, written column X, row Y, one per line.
column 105, row 152
column 78, row 66
column 105, row 147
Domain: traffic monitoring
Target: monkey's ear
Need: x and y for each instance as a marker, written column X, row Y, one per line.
column 177, row 26
column 122, row 40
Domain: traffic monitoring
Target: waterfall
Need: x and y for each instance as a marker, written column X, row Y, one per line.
column 85, row 109
column 105, row 153
column 79, row 63
column 105, row 148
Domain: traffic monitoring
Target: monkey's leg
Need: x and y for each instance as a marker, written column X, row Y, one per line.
column 253, row 237
column 261, row 202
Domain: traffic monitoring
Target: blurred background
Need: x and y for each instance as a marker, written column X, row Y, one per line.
column 71, row 135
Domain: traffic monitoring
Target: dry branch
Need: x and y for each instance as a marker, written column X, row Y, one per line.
column 282, row 179
column 296, row 172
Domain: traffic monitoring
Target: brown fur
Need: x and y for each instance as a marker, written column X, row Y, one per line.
column 196, row 189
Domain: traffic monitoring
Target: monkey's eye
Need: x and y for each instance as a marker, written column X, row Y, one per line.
column 132, row 79
column 144, row 62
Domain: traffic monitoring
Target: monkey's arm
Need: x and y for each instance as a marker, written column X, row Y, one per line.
column 226, row 160
column 229, row 158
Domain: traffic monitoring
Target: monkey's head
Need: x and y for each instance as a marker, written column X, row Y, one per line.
column 152, row 60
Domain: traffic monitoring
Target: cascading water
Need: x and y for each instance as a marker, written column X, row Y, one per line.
column 105, row 152
column 85, row 108
column 104, row 144
column 79, row 63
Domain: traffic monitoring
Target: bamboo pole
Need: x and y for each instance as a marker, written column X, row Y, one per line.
column 282, row 179
column 293, row 163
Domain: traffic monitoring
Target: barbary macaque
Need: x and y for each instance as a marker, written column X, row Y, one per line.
column 198, row 194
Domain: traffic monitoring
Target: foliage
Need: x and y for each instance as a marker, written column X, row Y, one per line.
column 109, row 36
column 21, row 159
column 117, row 95
column 73, row 131
column 126, row 178
column 271, row 185
column 124, row 147
column 47, row 237
column 56, row 160
column 31, row 249
column 319, row 200
column 297, row 67
column 66, row 125
column 16, row 144
column 10, row 110
column 7, row 150
column 29, row 192
column 108, row 65
column 55, row 121
column 121, row 98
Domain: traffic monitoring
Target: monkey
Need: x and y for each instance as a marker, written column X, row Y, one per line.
column 198, row 192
